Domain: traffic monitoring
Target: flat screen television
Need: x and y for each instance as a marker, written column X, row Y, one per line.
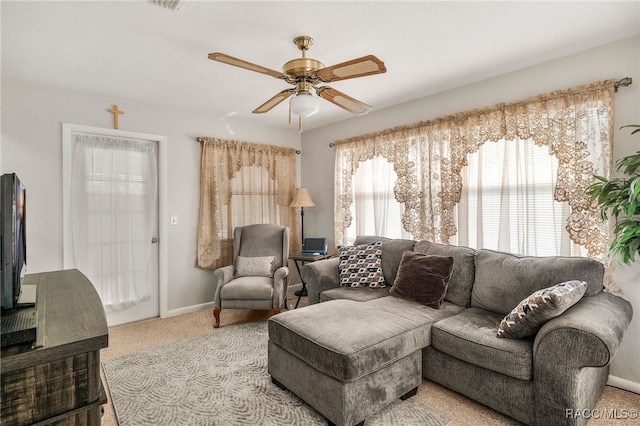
column 13, row 244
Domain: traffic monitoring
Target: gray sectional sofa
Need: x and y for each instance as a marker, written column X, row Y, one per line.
column 534, row 380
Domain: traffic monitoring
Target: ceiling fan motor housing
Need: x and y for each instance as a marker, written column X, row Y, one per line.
column 302, row 67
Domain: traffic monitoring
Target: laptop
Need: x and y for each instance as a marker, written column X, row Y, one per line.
column 314, row 246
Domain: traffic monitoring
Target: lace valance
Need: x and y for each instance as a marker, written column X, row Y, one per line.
column 575, row 124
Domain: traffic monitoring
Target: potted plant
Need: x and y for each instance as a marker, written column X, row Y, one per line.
column 619, row 198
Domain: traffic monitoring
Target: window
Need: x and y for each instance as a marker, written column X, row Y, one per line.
column 100, row 178
column 242, row 183
column 253, row 200
column 375, row 210
column 507, row 201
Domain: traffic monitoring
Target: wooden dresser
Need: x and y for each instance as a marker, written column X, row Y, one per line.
column 57, row 381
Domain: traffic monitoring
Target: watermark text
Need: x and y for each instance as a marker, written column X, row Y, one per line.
column 602, row 413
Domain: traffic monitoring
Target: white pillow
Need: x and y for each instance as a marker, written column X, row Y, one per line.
column 254, row 266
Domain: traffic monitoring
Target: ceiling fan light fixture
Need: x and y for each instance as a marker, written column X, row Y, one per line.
column 304, row 104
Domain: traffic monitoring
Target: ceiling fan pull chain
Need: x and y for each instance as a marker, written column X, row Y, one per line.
column 299, row 124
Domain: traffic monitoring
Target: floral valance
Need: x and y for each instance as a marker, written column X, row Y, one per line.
column 575, row 124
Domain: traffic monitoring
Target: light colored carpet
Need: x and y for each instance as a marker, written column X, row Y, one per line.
column 461, row 410
column 221, row 379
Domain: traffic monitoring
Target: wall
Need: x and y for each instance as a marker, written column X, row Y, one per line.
column 611, row 61
column 32, row 118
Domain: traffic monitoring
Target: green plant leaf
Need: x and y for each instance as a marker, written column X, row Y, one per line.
column 635, row 187
column 619, row 198
column 637, row 126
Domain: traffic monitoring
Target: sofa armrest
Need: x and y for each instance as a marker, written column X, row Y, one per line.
column 221, row 276
column 586, row 335
column 571, row 356
column 320, row 276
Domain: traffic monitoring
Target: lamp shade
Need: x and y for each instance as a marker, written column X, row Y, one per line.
column 302, row 199
column 304, row 104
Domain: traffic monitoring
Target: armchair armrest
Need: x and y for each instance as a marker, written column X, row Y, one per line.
column 320, row 276
column 586, row 335
column 221, row 276
column 280, row 286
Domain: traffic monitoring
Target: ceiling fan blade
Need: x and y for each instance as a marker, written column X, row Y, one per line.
column 230, row 60
column 267, row 106
column 343, row 101
column 367, row 65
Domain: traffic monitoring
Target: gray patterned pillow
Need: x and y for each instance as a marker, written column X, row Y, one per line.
column 531, row 314
column 361, row 266
column 254, row 266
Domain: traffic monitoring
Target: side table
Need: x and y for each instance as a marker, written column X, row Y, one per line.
column 301, row 260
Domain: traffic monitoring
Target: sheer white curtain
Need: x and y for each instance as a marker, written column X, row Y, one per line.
column 375, row 208
column 507, row 201
column 252, row 201
column 113, row 197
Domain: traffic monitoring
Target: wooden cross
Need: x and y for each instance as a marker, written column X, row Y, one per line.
column 115, row 111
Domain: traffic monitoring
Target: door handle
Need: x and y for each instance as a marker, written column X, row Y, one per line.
column 154, row 240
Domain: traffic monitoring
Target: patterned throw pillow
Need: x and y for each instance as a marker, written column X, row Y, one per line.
column 361, row 266
column 254, row 266
column 531, row 314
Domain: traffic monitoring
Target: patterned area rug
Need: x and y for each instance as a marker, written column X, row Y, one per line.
column 221, row 379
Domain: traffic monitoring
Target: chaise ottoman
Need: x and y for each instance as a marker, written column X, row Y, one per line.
column 346, row 359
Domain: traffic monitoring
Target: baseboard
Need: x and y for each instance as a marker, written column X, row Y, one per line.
column 209, row 305
column 189, row 309
column 624, row 384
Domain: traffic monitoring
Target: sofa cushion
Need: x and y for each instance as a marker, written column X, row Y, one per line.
column 357, row 294
column 392, row 250
column 502, row 280
column 461, row 281
column 531, row 313
column 415, row 311
column 361, row 266
column 423, row 278
column 345, row 339
column 470, row 336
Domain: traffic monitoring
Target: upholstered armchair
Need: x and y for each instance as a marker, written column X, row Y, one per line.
column 257, row 278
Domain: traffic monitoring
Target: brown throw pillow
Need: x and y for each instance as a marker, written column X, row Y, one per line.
column 423, row 278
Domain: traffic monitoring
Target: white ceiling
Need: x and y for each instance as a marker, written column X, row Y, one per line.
column 138, row 51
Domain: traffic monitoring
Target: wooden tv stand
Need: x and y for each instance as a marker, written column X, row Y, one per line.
column 57, row 379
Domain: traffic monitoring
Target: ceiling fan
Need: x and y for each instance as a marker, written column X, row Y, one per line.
column 306, row 74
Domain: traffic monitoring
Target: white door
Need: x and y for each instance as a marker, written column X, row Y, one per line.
column 114, row 222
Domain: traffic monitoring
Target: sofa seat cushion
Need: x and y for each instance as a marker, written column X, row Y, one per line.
column 415, row 311
column 347, row 340
column 470, row 336
column 358, row 294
